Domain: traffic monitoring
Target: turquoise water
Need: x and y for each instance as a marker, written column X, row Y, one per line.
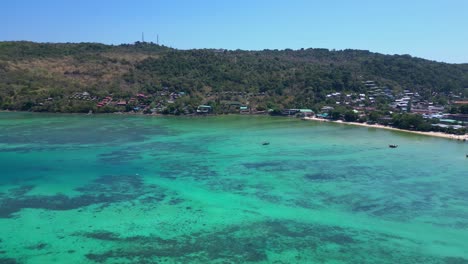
column 130, row 189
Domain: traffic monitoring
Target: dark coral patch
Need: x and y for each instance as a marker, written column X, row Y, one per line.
column 124, row 184
column 211, row 247
column 102, row 235
column 250, row 243
column 175, row 201
column 260, row 165
column 22, row 190
column 340, row 239
column 455, row 260
column 187, row 169
column 120, row 156
column 104, row 190
column 236, row 244
column 38, row 246
column 269, row 166
column 275, row 166
column 8, row 261
column 320, row 177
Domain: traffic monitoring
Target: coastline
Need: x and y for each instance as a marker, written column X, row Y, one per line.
column 432, row 134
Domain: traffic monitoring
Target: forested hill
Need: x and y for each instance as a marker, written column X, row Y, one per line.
column 33, row 72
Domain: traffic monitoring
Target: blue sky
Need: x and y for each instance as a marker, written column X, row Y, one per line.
column 436, row 30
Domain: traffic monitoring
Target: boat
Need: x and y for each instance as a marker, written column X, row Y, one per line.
column 266, row 143
column 392, row 146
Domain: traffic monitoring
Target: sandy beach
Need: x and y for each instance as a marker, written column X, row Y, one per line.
column 432, row 134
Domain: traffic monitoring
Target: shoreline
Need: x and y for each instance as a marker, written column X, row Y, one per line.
column 432, row 134
column 135, row 114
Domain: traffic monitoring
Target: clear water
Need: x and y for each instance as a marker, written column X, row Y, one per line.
column 128, row 189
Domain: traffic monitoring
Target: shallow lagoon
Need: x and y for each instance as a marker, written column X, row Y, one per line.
column 134, row 189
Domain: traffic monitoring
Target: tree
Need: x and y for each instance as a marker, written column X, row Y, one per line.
column 335, row 114
column 453, row 110
column 374, row 116
column 350, row 116
column 411, row 122
column 464, row 109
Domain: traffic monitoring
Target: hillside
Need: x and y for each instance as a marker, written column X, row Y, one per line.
column 54, row 77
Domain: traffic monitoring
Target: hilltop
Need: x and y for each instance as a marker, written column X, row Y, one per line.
column 78, row 77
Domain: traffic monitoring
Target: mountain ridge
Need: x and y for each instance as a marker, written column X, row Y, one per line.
column 31, row 72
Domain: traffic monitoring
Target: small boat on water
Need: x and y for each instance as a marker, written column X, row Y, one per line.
column 392, row 146
column 266, row 143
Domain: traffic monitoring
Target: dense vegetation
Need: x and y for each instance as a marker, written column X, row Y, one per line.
column 42, row 77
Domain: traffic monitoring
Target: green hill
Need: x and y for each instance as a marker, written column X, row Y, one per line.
column 46, row 76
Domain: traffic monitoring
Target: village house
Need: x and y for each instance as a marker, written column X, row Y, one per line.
column 204, row 109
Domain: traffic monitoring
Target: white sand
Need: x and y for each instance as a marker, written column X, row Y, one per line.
column 433, row 134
